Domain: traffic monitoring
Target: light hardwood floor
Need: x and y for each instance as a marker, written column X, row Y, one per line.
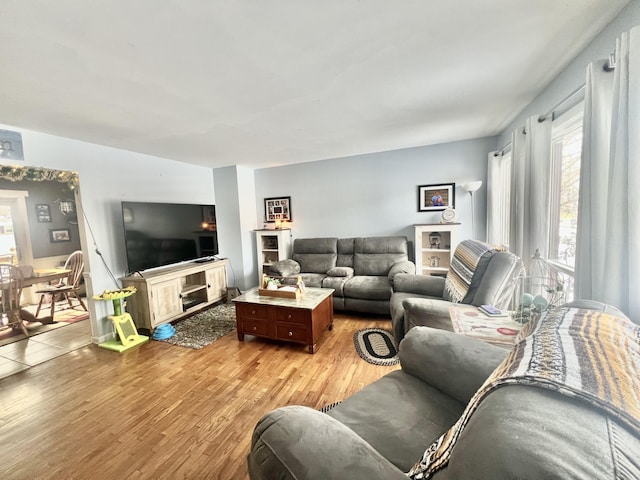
column 166, row 412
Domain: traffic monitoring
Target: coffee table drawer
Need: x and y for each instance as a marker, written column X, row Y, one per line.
column 291, row 332
column 251, row 311
column 254, row 327
column 291, row 315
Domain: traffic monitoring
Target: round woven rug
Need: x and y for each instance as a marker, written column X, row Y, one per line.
column 376, row 346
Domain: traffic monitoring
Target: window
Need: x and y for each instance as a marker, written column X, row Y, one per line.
column 499, row 199
column 566, row 149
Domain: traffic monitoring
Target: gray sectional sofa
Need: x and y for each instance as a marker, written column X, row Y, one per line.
column 360, row 270
column 519, row 430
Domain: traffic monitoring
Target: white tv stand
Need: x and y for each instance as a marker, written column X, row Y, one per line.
column 170, row 293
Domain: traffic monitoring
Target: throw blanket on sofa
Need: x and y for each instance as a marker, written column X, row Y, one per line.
column 464, row 262
column 584, row 354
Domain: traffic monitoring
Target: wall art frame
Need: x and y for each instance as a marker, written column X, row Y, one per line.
column 58, row 235
column 43, row 213
column 277, row 209
column 436, row 197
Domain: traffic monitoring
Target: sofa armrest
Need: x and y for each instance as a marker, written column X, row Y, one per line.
column 419, row 284
column 296, row 443
column 453, row 363
column 285, row 268
column 405, row 266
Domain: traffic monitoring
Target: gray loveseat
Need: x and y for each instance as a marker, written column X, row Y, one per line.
column 517, row 431
column 360, row 270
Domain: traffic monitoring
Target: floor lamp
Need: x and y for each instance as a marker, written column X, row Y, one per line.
column 470, row 188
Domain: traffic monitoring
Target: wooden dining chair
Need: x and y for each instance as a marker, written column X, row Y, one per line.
column 67, row 287
column 10, row 293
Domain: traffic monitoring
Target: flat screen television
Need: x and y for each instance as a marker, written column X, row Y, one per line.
column 159, row 234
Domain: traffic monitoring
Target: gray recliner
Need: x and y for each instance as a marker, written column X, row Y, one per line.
column 423, row 300
column 518, row 431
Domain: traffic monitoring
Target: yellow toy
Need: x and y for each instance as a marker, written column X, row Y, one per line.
column 122, row 322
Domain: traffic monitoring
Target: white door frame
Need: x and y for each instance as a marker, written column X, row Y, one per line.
column 16, row 199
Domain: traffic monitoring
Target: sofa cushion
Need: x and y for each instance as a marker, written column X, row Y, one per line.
column 376, row 255
column 468, row 265
column 315, row 255
column 375, row 264
column 415, row 413
column 337, row 283
column 314, row 262
column 497, row 283
column 297, row 442
column 368, row 287
column 345, row 252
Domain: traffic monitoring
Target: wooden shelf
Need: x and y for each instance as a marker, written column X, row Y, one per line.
column 186, row 290
column 168, row 294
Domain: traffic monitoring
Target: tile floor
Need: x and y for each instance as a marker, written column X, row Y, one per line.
column 23, row 354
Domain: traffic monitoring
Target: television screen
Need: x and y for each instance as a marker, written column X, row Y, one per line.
column 158, row 234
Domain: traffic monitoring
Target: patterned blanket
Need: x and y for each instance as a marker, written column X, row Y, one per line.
column 581, row 353
column 464, row 262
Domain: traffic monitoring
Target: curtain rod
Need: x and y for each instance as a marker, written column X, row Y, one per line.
column 503, row 150
column 610, row 66
column 575, row 93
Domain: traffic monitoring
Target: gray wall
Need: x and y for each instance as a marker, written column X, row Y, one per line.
column 376, row 194
column 46, row 193
column 574, row 75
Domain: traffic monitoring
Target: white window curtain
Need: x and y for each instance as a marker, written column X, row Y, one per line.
column 498, row 197
column 531, row 161
column 608, row 246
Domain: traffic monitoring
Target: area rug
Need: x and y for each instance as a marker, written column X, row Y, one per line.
column 376, row 346
column 205, row 327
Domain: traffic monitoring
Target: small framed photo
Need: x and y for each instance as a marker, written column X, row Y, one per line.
column 277, row 209
column 43, row 213
column 433, row 198
column 60, row 235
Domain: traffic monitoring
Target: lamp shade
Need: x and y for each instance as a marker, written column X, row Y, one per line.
column 472, row 186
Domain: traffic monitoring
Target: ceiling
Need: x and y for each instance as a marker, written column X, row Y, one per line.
column 264, row 83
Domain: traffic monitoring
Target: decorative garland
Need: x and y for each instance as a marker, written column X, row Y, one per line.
column 18, row 173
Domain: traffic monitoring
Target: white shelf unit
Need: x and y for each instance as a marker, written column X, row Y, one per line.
column 434, row 246
column 272, row 246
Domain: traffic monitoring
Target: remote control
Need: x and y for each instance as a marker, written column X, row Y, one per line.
column 491, row 310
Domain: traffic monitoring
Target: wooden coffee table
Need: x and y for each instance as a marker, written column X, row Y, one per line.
column 300, row 320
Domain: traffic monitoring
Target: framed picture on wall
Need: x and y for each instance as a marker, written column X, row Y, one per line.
column 277, row 209
column 60, row 235
column 43, row 213
column 433, row 198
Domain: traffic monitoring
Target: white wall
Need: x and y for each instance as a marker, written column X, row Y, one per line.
column 108, row 176
column 376, row 194
column 574, row 75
